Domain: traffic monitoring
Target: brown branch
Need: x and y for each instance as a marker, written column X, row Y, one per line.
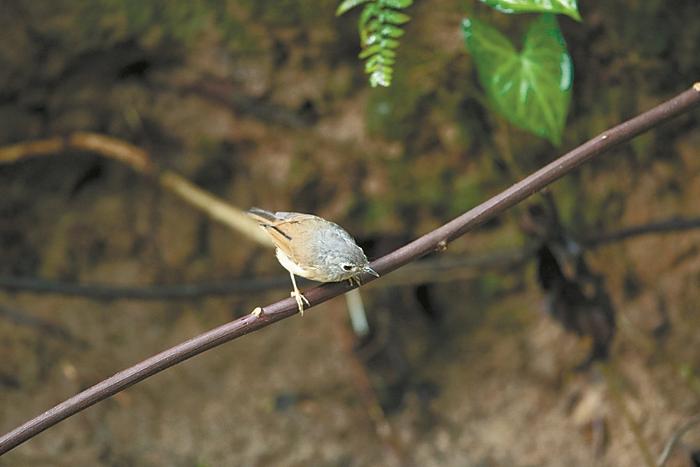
column 431, row 271
column 107, row 146
column 134, row 157
column 433, row 241
column 434, row 270
column 665, row 226
column 139, row 160
column 191, row 291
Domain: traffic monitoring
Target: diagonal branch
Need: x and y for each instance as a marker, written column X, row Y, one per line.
column 139, row 160
column 434, row 241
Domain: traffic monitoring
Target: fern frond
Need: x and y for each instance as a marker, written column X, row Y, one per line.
column 380, row 27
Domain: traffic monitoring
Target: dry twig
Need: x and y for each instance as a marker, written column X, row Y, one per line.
column 139, row 160
column 675, row 438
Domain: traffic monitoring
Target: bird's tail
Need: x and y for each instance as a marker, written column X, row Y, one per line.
column 262, row 216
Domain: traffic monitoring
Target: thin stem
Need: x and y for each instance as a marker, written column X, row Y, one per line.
column 139, row 160
column 675, row 438
column 665, row 226
column 428, row 271
column 436, row 240
column 435, row 270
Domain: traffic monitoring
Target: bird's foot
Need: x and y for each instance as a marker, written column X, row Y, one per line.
column 355, row 281
column 257, row 312
column 301, row 300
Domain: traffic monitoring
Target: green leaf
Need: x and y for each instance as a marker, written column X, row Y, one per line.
column 389, row 43
column 566, row 7
column 348, row 5
column 398, row 4
column 531, row 88
column 368, row 12
column 378, row 61
column 391, row 31
column 393, row 17
column 371, row 50
column 380, row 77
column 373, row 26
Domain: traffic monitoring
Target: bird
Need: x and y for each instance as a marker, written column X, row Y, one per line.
column 314, row 248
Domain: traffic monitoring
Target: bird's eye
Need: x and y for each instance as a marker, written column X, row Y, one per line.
column 347, row 267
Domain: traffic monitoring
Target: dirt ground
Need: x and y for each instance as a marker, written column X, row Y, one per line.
column 491, row 384
column 480, row 377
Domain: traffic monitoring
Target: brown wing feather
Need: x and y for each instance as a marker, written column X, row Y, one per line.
column 286, row 227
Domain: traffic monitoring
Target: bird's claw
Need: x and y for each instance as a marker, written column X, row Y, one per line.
column 301, row 300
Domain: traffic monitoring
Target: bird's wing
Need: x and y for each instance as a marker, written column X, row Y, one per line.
column 285, row 227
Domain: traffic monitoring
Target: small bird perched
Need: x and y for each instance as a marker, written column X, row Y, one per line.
column 312, row 247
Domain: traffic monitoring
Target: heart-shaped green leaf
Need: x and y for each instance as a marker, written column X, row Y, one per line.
column 531, row 88
column 566, row 7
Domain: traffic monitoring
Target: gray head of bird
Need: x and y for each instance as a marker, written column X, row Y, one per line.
column 348, row 262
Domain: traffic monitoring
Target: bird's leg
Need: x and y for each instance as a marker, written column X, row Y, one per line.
column 298, row 296
column 355, row 280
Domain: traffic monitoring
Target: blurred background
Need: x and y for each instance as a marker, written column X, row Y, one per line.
column 549, row 336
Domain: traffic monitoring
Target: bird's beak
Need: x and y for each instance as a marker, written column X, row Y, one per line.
column 371, row 271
